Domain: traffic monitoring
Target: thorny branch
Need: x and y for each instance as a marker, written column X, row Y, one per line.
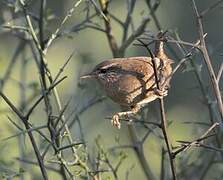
column 185, row 145
column 207, row 59
column 40, row 46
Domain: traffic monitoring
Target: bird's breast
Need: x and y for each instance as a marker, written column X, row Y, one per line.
column 125, row 89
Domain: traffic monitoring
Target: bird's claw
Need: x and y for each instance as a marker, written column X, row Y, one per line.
column 161, row 93
column 115, row 121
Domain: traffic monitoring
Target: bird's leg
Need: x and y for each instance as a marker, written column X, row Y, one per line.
column 115, row 119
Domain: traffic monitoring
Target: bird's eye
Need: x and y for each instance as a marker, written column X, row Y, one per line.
column 103, row 71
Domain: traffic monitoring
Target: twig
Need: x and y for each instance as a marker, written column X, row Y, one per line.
column 99, row 10
column 63, row 67
column 41, row 22
column 130, row 8
column 162, row 113
column 162, row 169
column 55, row 34
column 116, row 19
column 70, row 145
column 211, row 8
column 138, row 147
column 207, row 59
column 220, row 73
column 15, row 124
column 204, row 91
column 109, row 33
column 35, row 163
column 78, row 26
column 152, row 12
column 134, row 120
column 106, row 159
column 14, row 27
column 92, row 102
column 156, row 21
column 15, row 55
column 182, row 61
column 186, row 144
column 42, row 96
column 135, row 34
column 35, row 148
column 168, row 39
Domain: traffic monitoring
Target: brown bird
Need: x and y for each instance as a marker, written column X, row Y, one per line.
column 131, row 83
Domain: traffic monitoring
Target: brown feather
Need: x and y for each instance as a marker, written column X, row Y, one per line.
column 129, row 81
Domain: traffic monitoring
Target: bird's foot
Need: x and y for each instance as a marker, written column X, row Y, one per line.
column 115, row 121
column 161, row 93
column 116, row 118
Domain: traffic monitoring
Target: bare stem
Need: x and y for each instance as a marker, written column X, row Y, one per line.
column 138, row 147
column 207, row 60
column 111, row 39
column 33, row 142
column 162, row 113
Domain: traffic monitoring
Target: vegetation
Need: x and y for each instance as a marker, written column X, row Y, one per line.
column 55, row 126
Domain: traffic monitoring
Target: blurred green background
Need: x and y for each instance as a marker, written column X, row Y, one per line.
column 184, row 103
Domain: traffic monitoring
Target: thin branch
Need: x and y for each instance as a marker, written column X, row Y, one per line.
column 130, row 8
column 14, row 27
column 116, row 19
column 94, row 27
column 36, row 163
column 146, row 135
column 138, row 147
column 55, row 34
column 42, row 96
column 152, row 12
column 135, row 34
column 156, row 21
column 169, row 148
column 162, row 112
column 168, row 39
column 91, row 103
column 162, row 169
column 70, row 145
column 31, row 28
column 108, row 28
column 78, row 26
column 24, row 132
column 211, row 8
column 204, row 91
column 60, row 116
column 99, row 10
column 63, row 67
column 41, row 22
column 11, row 64
column 208, row 60
column 14, row 109
column 134, row 120
column 182, row 61
column 220, row 71
column 185, row 145
column 27, row 125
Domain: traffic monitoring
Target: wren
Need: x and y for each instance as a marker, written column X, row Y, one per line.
column 131, row 83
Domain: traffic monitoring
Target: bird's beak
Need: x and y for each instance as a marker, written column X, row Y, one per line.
column 91, row 75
